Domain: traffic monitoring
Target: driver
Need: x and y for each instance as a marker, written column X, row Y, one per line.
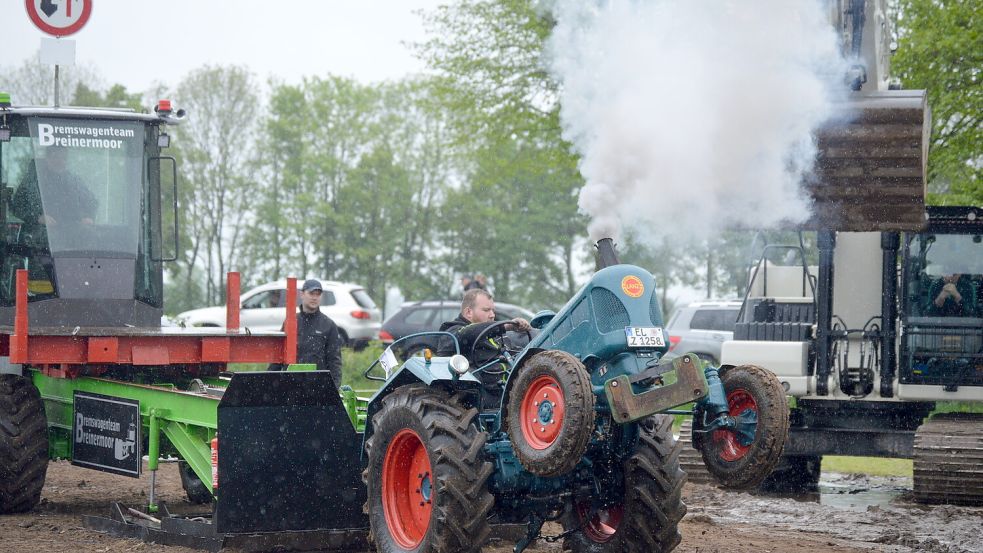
column 477, row 314
column 66, row 201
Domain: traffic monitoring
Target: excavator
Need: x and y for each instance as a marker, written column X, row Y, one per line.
column 853, row 319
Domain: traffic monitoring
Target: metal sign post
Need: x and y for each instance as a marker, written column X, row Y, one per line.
column 58, row 18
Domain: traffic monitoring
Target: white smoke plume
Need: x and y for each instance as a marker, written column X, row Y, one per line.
column 693, row 115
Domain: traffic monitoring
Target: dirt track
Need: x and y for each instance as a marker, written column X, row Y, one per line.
column 856, row 514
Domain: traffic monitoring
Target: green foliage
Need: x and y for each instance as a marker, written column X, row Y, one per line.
column 939, row 50
column 115, row 97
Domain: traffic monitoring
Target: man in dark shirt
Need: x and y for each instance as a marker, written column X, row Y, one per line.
column 952, row 296
column 318, row 341
column 66, row 200
column 477, row 314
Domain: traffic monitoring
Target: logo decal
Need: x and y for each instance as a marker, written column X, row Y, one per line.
column 632, row 286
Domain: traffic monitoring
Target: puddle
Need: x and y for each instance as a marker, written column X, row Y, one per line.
column 859, row 493
column 873, row 509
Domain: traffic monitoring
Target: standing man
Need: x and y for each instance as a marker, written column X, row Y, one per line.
column 318, row 342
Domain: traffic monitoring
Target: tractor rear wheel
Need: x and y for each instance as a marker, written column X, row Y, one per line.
column 23, row 444
column 750, row 390
column 427, row 480
column 551, row 413
column 647, row 518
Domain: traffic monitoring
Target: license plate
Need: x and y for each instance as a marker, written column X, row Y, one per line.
column 645, row 337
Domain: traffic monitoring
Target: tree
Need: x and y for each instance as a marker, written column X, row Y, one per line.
column 33, row 82
column 115, row 97
column 514, row 217
column 939, row 50
column 216, row 149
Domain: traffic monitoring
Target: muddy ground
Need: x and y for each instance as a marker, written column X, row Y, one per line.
column 853, row 513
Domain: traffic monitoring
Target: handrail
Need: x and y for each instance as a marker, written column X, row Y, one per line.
column 457, row 350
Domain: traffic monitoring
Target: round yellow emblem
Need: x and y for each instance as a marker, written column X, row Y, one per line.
column 632, row 286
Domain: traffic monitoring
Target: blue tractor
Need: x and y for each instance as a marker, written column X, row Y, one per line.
column 582, row 433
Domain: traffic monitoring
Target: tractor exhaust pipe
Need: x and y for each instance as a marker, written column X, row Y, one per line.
column 606, row 254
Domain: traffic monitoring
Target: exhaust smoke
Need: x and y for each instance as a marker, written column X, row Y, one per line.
column 693, row 116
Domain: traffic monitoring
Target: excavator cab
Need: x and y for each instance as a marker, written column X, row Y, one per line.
column 942, row 310
column 80, row 209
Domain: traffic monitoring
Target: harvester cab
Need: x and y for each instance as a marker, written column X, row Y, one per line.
column 80, row 209
column 581, row 433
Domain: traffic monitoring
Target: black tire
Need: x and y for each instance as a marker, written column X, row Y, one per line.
column 198, row 493
column 794, row 474
column 23, row 444
column 458, row 497
column 564, row 382
column 744, row 467
column 652, row 506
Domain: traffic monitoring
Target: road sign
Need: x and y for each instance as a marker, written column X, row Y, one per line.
column 59, row 17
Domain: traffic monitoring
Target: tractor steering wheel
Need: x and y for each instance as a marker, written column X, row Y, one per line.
column 481, row 336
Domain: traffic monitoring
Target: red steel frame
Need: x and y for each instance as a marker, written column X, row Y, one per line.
column 60, row 354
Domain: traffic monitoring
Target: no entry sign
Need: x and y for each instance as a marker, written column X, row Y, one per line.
column 59, row 17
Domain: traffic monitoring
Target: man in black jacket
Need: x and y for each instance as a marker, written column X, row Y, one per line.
column 477, row 314
column 318, row 341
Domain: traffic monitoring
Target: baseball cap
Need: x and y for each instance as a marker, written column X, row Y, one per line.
column 311, row 284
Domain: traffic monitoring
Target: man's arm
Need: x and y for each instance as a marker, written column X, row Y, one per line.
column 332, row 351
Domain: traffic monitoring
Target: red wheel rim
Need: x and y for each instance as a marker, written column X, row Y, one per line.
column 603, row 524
column 542, row 412
column 407, row 490
column 726, row 442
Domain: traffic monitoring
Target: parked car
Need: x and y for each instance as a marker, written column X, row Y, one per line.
column 262, row 309
column 702, row 327
column 425, row 316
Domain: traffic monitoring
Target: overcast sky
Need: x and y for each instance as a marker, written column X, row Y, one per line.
column 139, row 42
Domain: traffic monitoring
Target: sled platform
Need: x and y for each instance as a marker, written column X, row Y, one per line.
column 196, row 531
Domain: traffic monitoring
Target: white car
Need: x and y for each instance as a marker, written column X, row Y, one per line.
column 262, row 309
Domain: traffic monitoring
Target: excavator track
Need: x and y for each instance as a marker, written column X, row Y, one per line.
column 948, row 459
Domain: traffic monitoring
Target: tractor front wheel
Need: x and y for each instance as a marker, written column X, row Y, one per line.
column 23, row 444
column 426, row 477
column 551, row 413
column 753, row 393
column 647, row 518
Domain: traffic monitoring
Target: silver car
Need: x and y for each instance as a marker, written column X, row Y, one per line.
column 262, row 309
column 702, row 327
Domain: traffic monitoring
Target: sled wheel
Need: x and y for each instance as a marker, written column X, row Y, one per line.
column 426, row 477
column 551, row 413
column 646, row 518
column 751, row 392
column 196, row 490
column 23, row 444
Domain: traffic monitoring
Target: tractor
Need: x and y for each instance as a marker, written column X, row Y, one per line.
column 582, row 432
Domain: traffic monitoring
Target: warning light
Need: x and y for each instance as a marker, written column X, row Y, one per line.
column 163, row 107
column 4, row 99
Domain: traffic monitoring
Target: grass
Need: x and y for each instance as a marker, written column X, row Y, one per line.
column 874, row 466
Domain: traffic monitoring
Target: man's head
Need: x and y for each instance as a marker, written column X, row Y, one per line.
column 478, row 306
column 310, row 295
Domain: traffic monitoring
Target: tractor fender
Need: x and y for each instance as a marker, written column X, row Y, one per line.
column 436, row 373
